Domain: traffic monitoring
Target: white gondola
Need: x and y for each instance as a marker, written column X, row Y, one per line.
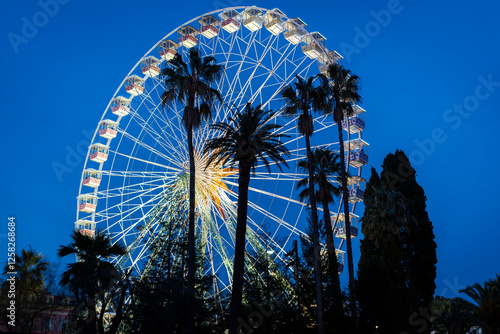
column 120, row 106
column 356, row 192
column 187, row 36
column 99, row 152
column 108, row 129
column 314, row 44
column 340, row 231
column 150, row 66
column 92, row 178
column 168, row 49
column 326, row 59
column 356, row 122
column 87, row 203
column 230, row 20
column 209, row 26
column 251, row 18
column 295, row 30
column 85, row 227
column 273, row 21
column 358, row 149
column 134, row 85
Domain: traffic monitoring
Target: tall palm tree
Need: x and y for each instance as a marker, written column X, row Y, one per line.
column 91, row 273
column 191, row 84
column 302, row 100
column 343, row 86
column 30, row 268
column 248, row 137
column 326, row 166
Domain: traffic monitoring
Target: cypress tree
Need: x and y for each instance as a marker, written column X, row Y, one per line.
column 420, row 247
column 397, row 267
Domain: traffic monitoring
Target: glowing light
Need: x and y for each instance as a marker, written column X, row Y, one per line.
column 209, row 182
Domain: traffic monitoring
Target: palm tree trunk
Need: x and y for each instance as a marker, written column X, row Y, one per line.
column 345, row 195
column 333, row 270
column 317, row 255
column 239, row 247
column 191, row 240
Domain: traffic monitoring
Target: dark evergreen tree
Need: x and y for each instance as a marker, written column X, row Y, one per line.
column 381, row 280
column 398, row 253
column 161, row 298
column 269, row 301
column 418, row 237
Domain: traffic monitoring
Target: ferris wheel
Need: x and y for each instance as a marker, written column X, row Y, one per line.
column 135, row 179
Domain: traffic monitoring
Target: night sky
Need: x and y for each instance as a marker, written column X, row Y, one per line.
column 430, row 75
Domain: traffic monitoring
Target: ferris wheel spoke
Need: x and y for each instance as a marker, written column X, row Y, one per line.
column 136, row 203
column 259, row 56
column 292, row 229
column 170, row 168
column 270, row 176
column 169, row 158
column 167, row 138
column 131, row 189
column 272, row 73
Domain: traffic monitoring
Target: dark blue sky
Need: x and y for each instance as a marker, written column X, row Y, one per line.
column 431, row 86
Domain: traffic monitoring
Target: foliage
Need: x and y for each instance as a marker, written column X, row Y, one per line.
column 91, row 278
column 35, row 291
column 452, row 316
column 302, row 101
column 161, row 298
column 397, row 266
column 269, row 304
column 247, row 137
column 326, row 170
column 486, row 304
column 342, row 86
column 191, row 84
column 31, row 269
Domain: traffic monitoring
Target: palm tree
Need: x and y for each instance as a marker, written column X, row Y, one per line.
column 33, row 279
column 30, row 268
column 326, row 165
column 300, row 101
column 343, row 87
column 452, row 316
column 486, row 304
column 248, row 137
column 91, row 273
column 191, row 84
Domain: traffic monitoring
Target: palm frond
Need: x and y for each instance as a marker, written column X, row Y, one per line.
column 249, row 136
